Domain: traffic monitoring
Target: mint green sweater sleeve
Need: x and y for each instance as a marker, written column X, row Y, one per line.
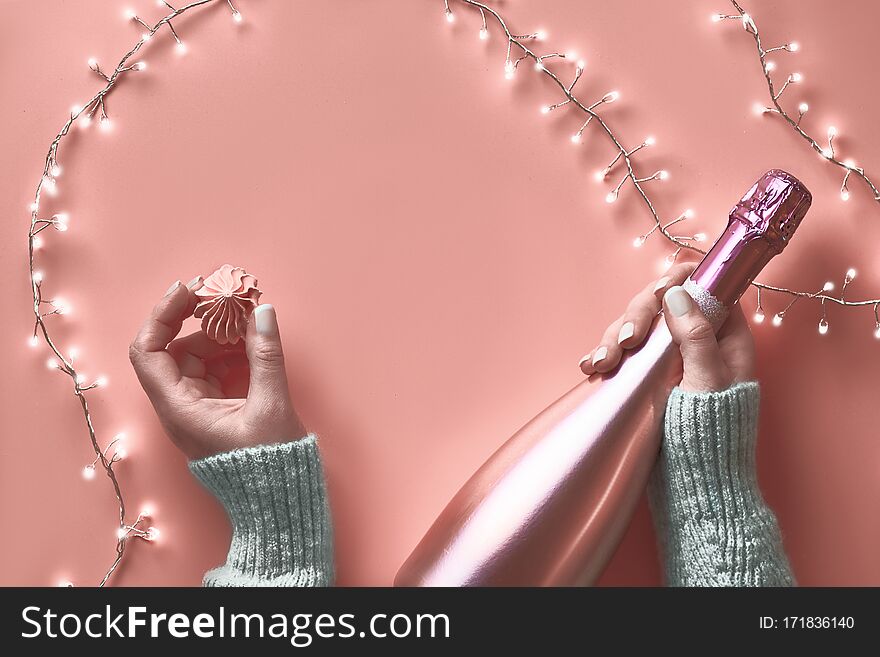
column 276, row 500
column 713, row 525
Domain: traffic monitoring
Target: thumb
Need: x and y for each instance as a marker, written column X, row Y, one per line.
column 268, row 378
column 704, row 367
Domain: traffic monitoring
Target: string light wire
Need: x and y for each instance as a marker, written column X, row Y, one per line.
column 520, row 47
column 45, row 308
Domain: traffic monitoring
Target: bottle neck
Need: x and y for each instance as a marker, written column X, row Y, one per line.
column 732, row 263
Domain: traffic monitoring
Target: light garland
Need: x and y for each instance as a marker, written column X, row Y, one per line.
column 827, row 152
column 83, row 115
column 519, row 50
column 45, row 308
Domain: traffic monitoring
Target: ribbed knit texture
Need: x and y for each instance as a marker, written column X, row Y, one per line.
column 277, row 503
column 713, row 525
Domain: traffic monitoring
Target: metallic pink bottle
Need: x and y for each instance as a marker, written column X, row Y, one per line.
column 551, row 505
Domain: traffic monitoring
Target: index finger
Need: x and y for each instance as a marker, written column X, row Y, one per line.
column 154, row 366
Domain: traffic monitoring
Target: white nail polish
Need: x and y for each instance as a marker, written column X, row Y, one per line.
column 677, row 300
column 600, row 355
column 584, row 359
column 626, row 332
column 174, row 286
column 194, row 282
column 663, row 282
column 265, row 320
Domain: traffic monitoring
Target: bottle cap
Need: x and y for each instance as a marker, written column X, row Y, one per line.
column 774, row 207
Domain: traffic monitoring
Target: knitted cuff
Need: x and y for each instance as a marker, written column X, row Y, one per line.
column 277, row 503
column 714, row 525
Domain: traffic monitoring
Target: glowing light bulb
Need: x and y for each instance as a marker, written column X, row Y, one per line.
column 33, row 341
column 832, row 132
column 238, row 18
column 146, row 36
column 33, row 207
column 60, row 306
column 850, row 275
column 73, row 352
column 93, row 63
column 80, row 378
column 777, row 319
column 105, row 124
column 38, row 242
column 650, row 141
column 611, row 197
column 770, row 66
column 700, row 237
column 540, row 35
column 52, row 364
column 152, row 534
column 758, row 109
column 121, row 533
column 55, row 170
column 794, row 46
column 38, row 277
column 877, row 331
column 65, row 584
column 181, row 48
column 827, row 153
column 639, row 241
column 688, row 214
column 450, row 17
column 759, row 316
column 803, row 107
column 129, row 14
column 670, row 259
column 611, row 96
column 716, row 18
column 796, row 77
column 823, row 326
column 101, row 381
column 61, row 218
column 88, row 472
column 829, row 285
column 120, row 453
column 538, row 65
column 146, row 511
column 545, row 109
column 571, row 55
column 139, row 66
column 663, row 175
column 849, row 163
column 484, row 34
column 844, row 194
column 575, row 139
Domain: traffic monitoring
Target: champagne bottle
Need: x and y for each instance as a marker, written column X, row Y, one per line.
column 550, row 506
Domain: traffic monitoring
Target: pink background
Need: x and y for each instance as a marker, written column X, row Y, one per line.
column 438, row 252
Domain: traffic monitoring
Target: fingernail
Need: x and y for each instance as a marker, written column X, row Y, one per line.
column 600, row 354
column 265, row 320
column 194, row 282
column 626, row 332
column 174, row 286
column 678, row 300
column 663, row 282
column 583, row 361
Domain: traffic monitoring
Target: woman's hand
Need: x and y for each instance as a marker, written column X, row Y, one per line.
column 191, row 381
column 711, row 362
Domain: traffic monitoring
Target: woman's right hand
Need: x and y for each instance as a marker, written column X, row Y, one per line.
column 711, row 362
column 188, row 380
